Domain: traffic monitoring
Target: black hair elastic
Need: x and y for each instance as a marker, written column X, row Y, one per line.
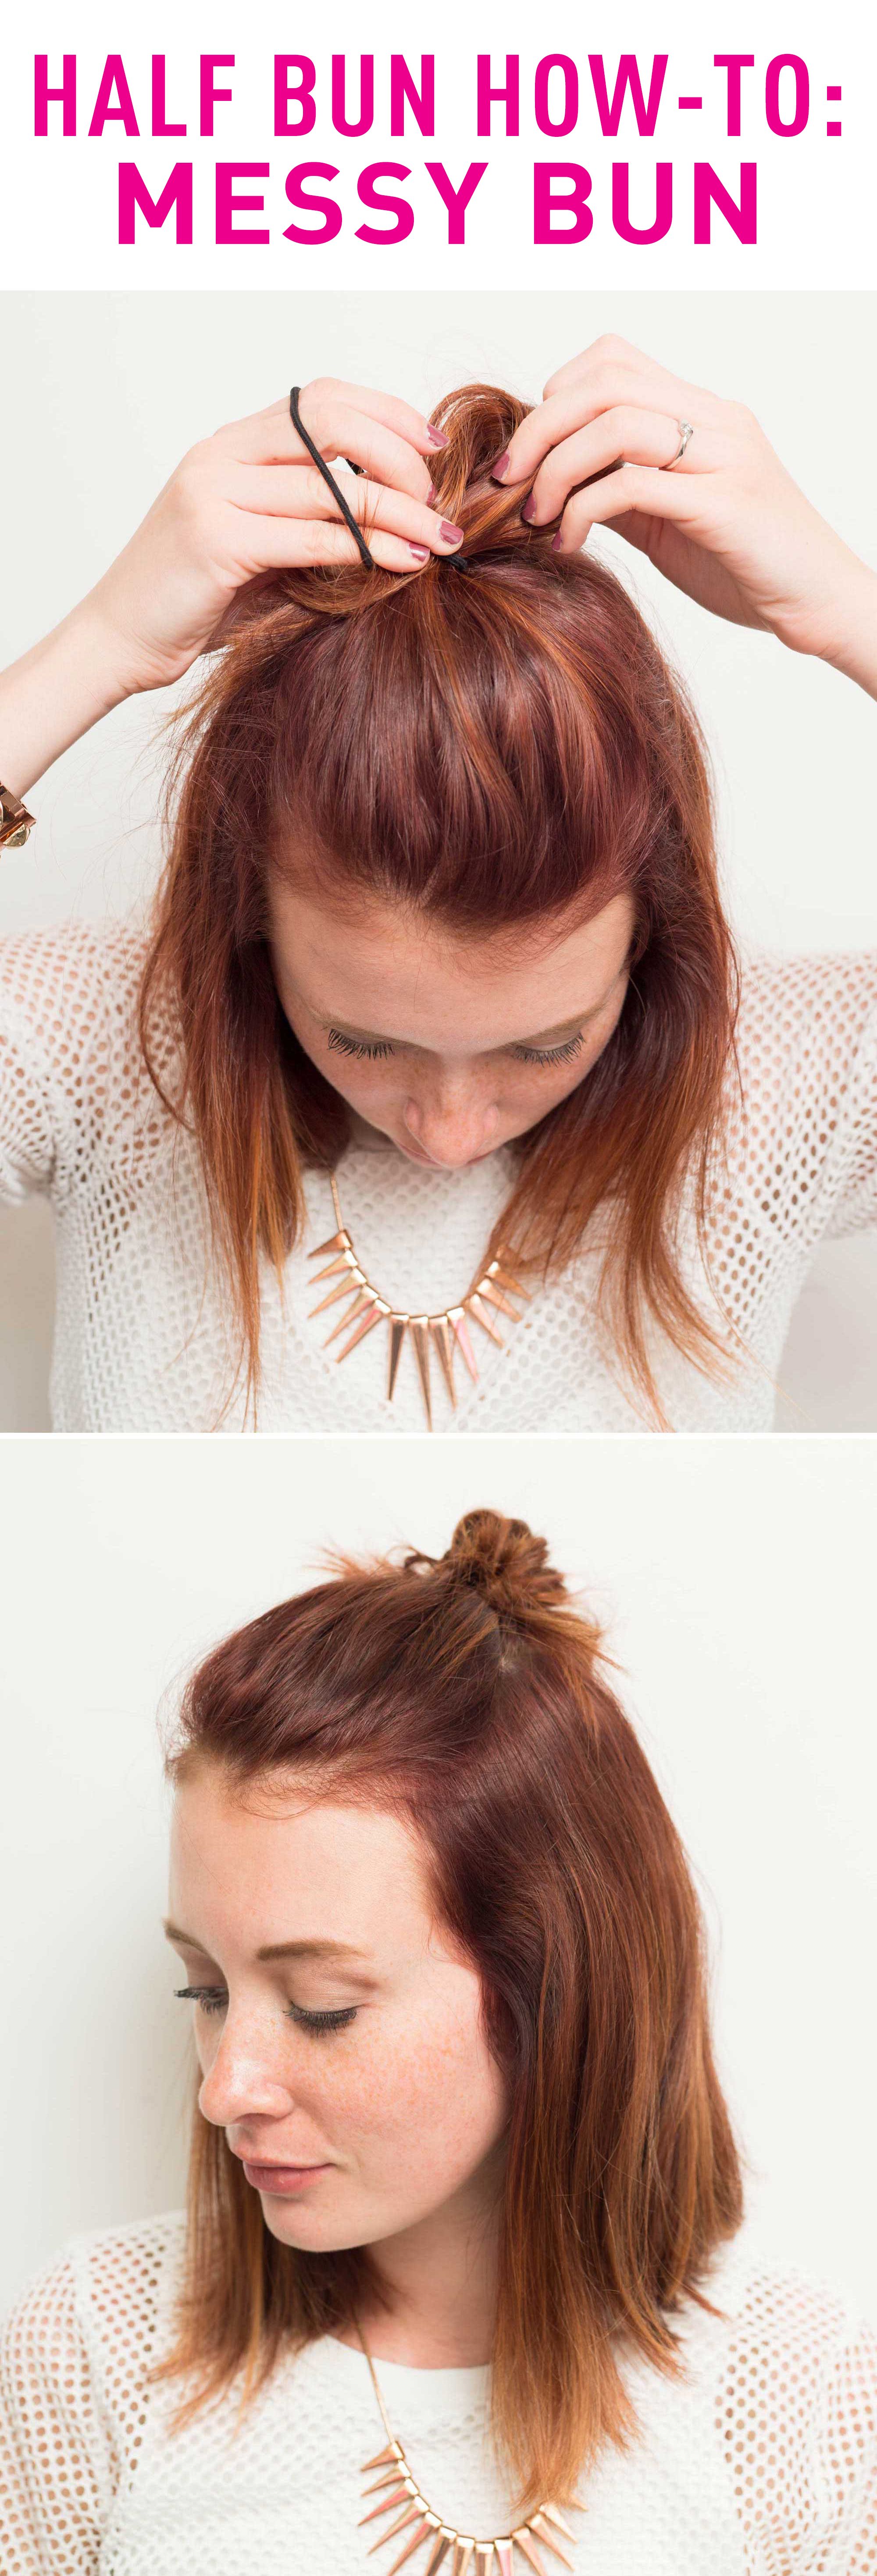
column 322, row 467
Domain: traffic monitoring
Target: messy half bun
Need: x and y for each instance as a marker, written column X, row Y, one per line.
column 466, row 1693
column 504, row 1563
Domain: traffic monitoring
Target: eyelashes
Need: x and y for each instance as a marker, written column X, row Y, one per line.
column 550, row 1055
column 369, row 1051
column 358, row 1047
column 323, row 2020
column 213, row 1999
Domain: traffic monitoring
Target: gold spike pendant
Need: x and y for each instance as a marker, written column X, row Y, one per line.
column 496, row 1291
column 395, row 2493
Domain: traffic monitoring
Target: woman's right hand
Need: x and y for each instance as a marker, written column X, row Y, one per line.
column 249, row 501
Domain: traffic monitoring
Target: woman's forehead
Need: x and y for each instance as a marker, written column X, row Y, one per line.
column 288, row 1866
column 394, row 973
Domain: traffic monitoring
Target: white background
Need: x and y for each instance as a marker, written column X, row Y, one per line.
column 736, row 1581
column 815, row 204
column 110, row 392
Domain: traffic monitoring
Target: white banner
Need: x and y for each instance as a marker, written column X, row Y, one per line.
column 209, row 146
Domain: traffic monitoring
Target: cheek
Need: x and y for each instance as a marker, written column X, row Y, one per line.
column 535, row 1091
column 424, row 2097
column 568, row 1077
column 356, row 1079
column 364, row 1086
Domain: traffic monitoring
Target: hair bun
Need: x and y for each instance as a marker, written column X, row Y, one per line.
column 504, row 1561
column 479, row 421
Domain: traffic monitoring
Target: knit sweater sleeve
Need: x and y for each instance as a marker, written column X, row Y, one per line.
column 65, row 1047
column 58, row 2468
column 851, row 2452
column 808, row 1060
column 798, row 2423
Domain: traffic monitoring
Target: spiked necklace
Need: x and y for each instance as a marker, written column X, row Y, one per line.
column 425, row 2529
column 494, row 1289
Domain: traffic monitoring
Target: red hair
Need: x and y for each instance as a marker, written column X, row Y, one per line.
column 492, row 746
column 468, row 1695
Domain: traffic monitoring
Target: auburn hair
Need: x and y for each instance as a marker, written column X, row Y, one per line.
column 493, row 746
column 469, row 1695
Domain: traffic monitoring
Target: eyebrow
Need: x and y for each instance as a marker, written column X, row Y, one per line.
column 273, row 1949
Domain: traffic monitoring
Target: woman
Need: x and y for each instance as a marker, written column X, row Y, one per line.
column 464, row 2190
column 438, row 983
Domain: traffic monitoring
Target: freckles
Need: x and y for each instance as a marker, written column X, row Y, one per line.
column 414, row 2087
column 386, row 2088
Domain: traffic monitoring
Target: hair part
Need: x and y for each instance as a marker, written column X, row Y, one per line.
column 471, row 1697
column 493, row 748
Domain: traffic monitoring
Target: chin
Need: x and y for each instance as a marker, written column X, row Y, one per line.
column 311, row 2230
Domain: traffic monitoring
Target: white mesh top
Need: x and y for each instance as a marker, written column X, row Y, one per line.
column 760, row 2460
column 144, row 1339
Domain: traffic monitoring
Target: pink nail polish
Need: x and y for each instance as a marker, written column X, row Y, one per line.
column 501, row 466
column 529, row 508
column 432, row 494
column 438, row 438
column 420, row 553
column 557, row 544
column 452, row 536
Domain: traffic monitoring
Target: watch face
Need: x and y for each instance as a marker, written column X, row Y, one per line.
column 15, row 821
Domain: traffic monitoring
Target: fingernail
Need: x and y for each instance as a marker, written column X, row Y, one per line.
column 557, row 544
column 438, row 437
column 529, row 508
column 432, row 494
column 451, row 536
column 502, row 463
column 421, row 553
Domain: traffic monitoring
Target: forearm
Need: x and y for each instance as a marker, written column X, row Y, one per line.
column 54, row 694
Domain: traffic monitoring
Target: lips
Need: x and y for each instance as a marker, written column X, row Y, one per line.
column 283, row 2180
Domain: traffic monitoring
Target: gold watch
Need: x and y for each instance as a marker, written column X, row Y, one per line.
column 15, row 821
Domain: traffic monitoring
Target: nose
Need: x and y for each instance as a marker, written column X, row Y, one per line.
column 242, row 2083
column 452, row 1120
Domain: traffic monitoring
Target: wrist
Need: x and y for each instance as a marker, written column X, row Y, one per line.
column 849, row 627
column 55, row 693
column 105, row 658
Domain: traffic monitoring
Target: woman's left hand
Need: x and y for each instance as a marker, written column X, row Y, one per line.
column 727, row 524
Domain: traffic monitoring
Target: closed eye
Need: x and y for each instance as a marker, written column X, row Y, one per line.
column 359, row 1046
column 550, row 1055
column 323, row 2021
column 213, row 1999
column 370, row 1049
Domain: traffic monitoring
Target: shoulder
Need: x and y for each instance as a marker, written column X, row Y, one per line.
column 74, row 958
column 125, row 2277
column 75, row 2356
column 782, row 2308
column 803, row 1120
column 68, row 998
column 793, row 2374
column 70, row 1044
column 103, row 2291
column 831, row 998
